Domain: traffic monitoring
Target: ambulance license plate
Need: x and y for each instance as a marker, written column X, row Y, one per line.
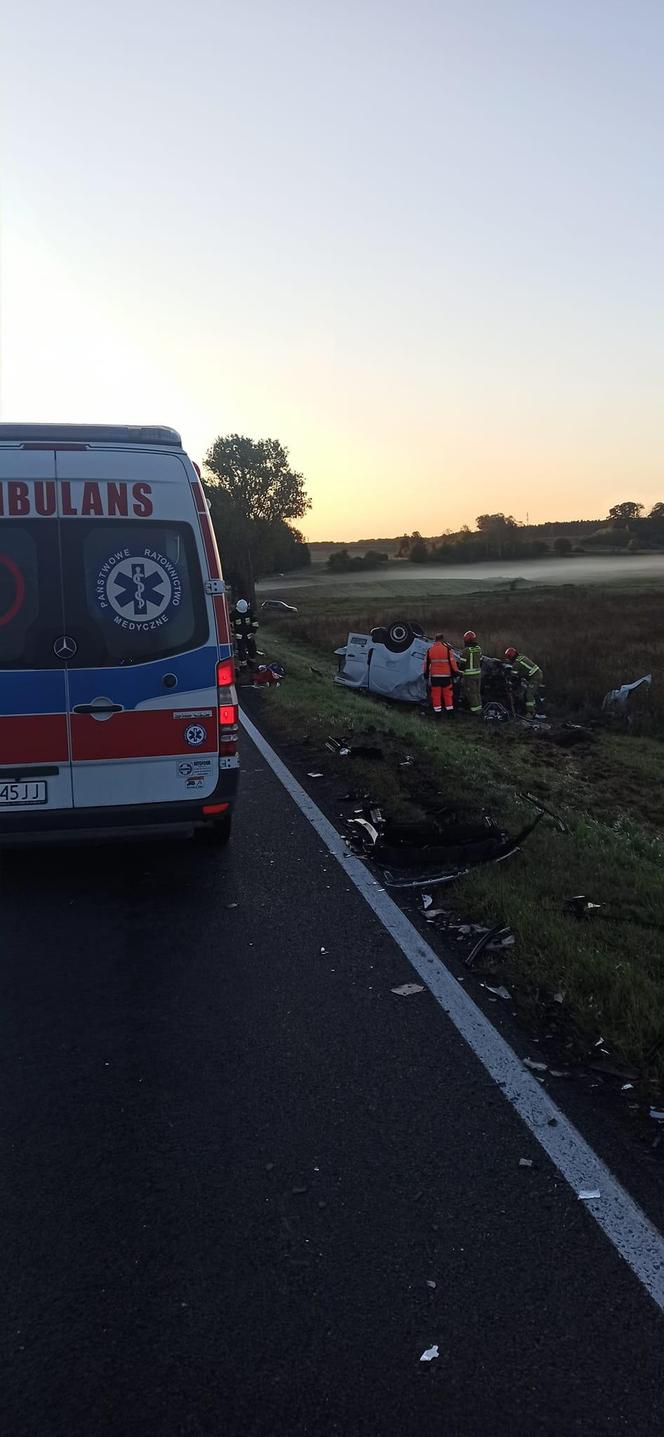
column 24, row 791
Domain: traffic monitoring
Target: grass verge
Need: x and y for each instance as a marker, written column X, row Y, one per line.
column 611, row 967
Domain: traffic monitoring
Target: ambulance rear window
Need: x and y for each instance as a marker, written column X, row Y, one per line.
column 30, row 594
column 133, row 591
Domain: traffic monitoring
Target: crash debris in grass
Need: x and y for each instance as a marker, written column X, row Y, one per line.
column 580, row 906
column 534, row 1066
column 500, row 992
column 407, row 988
column 427, row 900
column 430, row 1353
column 314, row 775
column 657, row 1114
column 525, row 1162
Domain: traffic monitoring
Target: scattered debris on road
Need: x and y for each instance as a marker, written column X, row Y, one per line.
column 525, row 1162
column 431, row 1283
column 407, row 988
column 586, row 1194
column 315, row 775
column 430, row 1353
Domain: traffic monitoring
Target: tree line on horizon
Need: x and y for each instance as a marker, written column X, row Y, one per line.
column 500, row 536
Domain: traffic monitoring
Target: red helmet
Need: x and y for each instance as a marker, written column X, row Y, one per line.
column 470, row 637
column 511, row 653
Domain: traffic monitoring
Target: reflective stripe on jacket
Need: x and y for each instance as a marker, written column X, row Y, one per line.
column 440, row 662
column 526, row 667
column 471, row 659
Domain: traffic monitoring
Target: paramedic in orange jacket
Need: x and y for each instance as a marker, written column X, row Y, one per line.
column 439, row 666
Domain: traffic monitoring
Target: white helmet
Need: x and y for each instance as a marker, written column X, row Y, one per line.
column 242, row 606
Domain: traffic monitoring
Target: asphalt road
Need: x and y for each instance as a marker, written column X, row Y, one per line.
column 234, row 1163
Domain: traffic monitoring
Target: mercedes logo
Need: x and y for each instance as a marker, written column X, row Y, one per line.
column 64, row 647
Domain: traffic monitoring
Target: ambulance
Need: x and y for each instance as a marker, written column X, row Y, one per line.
column 118, row 707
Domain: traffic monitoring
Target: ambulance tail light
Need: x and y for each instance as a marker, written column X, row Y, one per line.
column 225, row 674
column 228, row 709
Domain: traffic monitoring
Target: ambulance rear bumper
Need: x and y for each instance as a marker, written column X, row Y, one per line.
column 138, row 822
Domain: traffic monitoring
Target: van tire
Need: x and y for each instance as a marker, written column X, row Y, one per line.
column 399, row 638
column 217, row 835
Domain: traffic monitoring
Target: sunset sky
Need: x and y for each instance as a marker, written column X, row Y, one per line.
column 420, row 243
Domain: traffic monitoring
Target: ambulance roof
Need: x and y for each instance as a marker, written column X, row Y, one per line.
column 90, row 434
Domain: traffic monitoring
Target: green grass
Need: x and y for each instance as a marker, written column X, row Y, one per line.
column 611, row 968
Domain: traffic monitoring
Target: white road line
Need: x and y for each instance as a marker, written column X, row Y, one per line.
column 626, row 1226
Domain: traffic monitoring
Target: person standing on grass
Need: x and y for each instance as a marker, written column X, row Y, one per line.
column 529, row 673
column 470, row 663
column 439, row 665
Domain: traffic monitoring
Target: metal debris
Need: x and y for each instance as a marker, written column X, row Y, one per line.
column 430, row 1353
column 617, row 698
column 506, row 942
column 559, row 997
column 427, row 900
column 430, row 1282
column 392, row 882
column 500, row 992
column 626, row 1087
column 580, row 906
column 525, row 1162
column 587, row 1193
column 407, row 988
column 368, row 827
column 535, row 1067
column 537, row 802
column 483, row 943
column 657, row 1114
column 314, row 775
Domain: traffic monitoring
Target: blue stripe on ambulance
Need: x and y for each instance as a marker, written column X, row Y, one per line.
column 137, row 683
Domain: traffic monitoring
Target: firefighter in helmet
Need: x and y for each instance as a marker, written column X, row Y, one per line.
column 245, row 627
column 529, row 674
column 470, row 663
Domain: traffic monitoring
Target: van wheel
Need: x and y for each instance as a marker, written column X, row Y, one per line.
column 399, row 638
column 218, row 833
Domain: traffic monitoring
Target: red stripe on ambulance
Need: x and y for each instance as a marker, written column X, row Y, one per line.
column 34, row 738
column 140, row 733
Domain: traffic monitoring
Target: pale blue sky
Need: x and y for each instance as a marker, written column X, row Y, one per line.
column 421, row 244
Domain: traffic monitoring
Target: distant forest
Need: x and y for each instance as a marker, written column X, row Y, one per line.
column 626, row 529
